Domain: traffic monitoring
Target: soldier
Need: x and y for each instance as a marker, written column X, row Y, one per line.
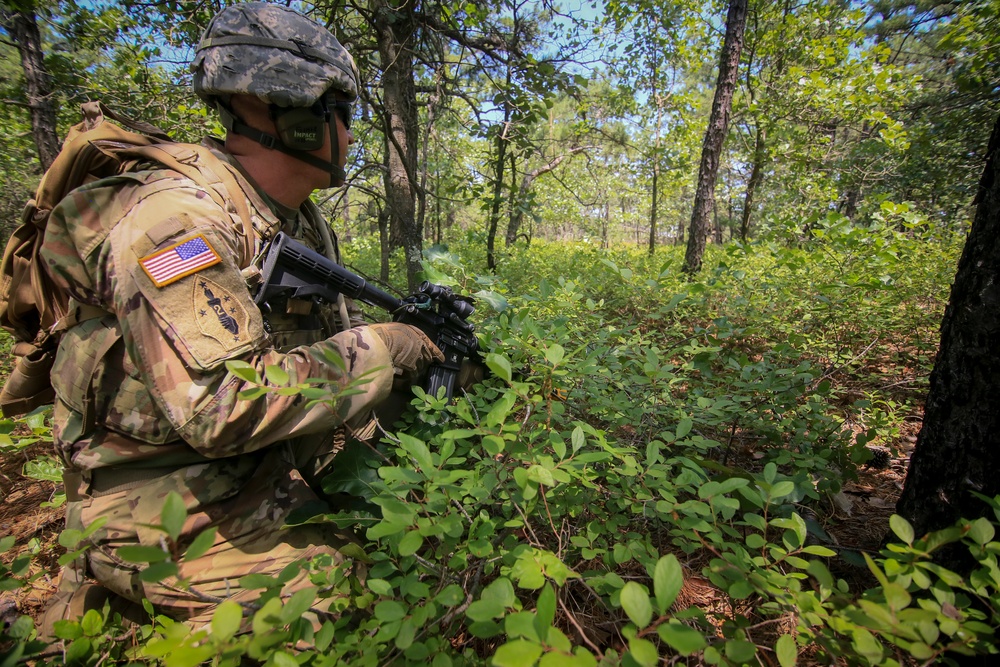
column 159, row 274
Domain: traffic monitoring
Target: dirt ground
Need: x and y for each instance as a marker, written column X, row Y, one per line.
column 22, row 515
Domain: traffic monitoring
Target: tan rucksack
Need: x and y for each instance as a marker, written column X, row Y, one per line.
column 32, row 308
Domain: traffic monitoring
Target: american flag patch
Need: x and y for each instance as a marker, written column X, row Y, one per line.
column 170, row 265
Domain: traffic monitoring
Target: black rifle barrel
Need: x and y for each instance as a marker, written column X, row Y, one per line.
column 321, row 271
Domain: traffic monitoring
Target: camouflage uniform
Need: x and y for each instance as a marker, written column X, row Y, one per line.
column 144, row 402
column 146, row 406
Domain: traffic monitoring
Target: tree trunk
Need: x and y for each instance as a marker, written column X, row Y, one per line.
column 605, row 223
column 521, row 197
column 718, row 223
column 395, row 29
column 756, row 177
column 651, row 246
column 958, row 449
column 654, row 200
column 502, row 139
column 383, row 237
column 23, row 28
column 718, row 125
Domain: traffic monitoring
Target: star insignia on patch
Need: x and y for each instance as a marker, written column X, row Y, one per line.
column 229, row 325
column 179, row 260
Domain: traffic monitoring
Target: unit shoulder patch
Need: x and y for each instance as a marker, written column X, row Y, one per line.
column 220, row 314
column 179, row 260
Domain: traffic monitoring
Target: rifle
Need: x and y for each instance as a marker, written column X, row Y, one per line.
column 291, row 270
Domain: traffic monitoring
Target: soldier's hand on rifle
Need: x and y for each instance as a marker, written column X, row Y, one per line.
column 411, row 351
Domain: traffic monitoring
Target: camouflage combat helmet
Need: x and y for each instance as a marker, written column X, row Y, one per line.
column 274, row 53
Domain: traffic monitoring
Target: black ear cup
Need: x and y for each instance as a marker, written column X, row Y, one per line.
column 300, row 129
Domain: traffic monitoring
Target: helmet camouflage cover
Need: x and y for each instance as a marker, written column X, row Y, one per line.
column 273, row 53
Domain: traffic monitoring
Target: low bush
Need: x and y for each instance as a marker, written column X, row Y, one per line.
column 643, row 478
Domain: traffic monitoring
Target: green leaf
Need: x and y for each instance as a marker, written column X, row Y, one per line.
column 781, row 489
column 681, row 638
column 200, row 545
column 501, row 408
column 485, row 610
column 226, row 620
column 452, row 595
column 667, row 581
column 418, row 450
column 740, row 651
column 78, row 651
column 384, row 529
column 173, row 515
column 866, row 644
column 554, row 354
column 67, row 629
column 325, row 636
column 902, row 528
column 252, row 581
column 354, row 473
column 981, row 530
column 537, row 473
column 253, row 393
column 390, row 610
column 13, row 656
column 244, row 371
column 410, row 543
column 635, row 602
column 68, row 538
column 897, row 596
column 500, row 366
column 501, row 590
column 43, row 468
column 493, row 444
column 157, row 572
column 283, row 659
column 298, row 604
column 276, row 375
column 407, row 632
column 92, row 623
column 545, row 611
column 522, row 625
column 643, row 652
column 497, row 301
column 684, row 427
column 786, row 651
column 517, row 653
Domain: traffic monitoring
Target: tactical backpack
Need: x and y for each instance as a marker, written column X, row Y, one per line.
column 32, row 308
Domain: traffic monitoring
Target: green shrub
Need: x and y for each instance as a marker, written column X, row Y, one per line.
column 640, row 434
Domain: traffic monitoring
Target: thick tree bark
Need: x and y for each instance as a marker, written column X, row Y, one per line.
column 23, row 28
column 395, row 30
column 718, row 125
column 958, row 449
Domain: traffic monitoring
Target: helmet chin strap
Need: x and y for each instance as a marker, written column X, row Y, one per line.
column 338, row 175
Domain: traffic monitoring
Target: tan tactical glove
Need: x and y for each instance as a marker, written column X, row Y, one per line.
column 411, row 351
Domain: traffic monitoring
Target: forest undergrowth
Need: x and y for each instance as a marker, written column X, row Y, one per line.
column 659, row 471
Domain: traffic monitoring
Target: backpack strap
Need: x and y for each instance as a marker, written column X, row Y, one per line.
column 200, row 165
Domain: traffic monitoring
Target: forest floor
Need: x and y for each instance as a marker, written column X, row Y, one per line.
column 857, row 519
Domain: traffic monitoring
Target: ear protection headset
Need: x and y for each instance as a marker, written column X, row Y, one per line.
column 300, row 131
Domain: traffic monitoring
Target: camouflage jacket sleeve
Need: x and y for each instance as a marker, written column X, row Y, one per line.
column 169, row 272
